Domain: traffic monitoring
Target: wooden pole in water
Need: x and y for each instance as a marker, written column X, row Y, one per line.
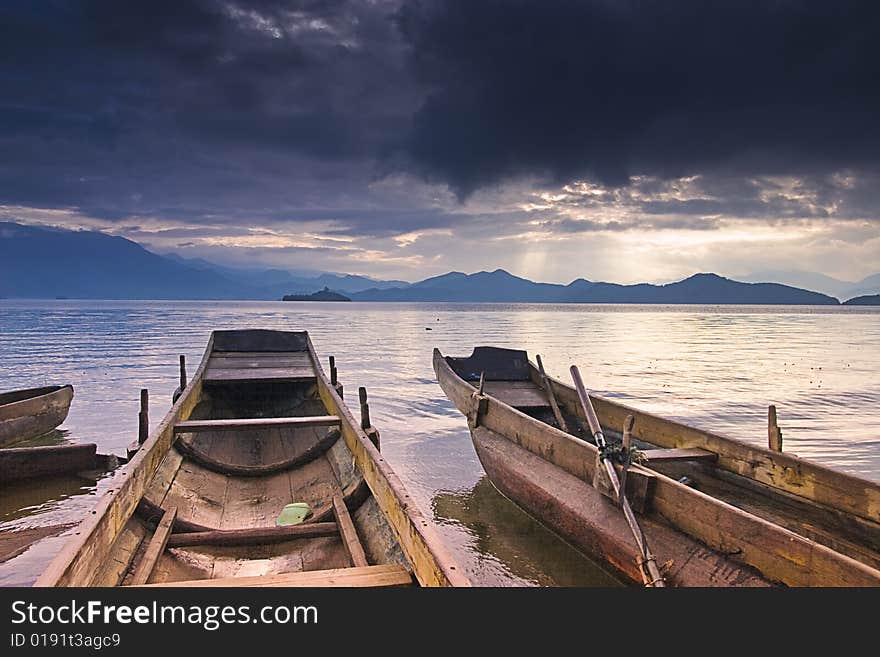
column 650, row 572
column 551, row 395
column 182, row 372
column 774, row 433
column 365, row 408
column 333, row 373
column 144, row 417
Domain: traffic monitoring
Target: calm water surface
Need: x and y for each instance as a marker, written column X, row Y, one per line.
column 717, row 367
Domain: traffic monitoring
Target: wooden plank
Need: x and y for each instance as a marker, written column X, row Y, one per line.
column 155, row 548
column 692, row 454
column 257, row 363
column 259, row 355
column 366, row 576
column 86, row 552
column 260, row 374
column 17, row 463
column 349, row 534
column 191, row 426
column 254, row 536
column 519, row 394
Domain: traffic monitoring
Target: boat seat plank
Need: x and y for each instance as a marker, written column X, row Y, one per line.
column 238, row 424
column 519, row 394
column 286, row 360
column 260, row 374
column 155, row 548
column 349, row 534
column 693, row 454
column 365, row 576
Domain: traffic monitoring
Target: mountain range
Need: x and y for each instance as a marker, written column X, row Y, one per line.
column 501, row 286
column 42, row 262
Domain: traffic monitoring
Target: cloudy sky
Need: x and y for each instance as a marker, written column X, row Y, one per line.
column 611, row 140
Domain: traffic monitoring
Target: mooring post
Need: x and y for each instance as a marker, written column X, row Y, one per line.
column 333, row 373
column 774, row 433
column 365, row 408
column 144, row 417
column 182, row 372
column 366, row 424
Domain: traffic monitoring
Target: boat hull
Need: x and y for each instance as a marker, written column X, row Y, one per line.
column 700, row 540
column 36, row 412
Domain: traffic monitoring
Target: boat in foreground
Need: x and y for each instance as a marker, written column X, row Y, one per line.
column 258, row 476
column 26, row 414
column 714, row 511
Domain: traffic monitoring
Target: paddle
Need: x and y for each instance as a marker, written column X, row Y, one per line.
column 552, row 397
column 650, row 572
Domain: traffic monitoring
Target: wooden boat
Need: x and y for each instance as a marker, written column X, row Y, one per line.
column 26, row 414
column 715, row 511
column 258, row 428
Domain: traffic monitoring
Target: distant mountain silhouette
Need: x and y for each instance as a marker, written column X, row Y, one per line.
column 501, row 286
column 868, row 300
column 49, row 263
column 41, row 262
column 817, row 282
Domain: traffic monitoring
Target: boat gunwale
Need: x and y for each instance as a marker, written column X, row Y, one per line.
column 431, row 563
column 19, row 408
column 802, row 555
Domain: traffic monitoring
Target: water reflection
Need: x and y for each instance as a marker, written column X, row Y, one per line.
column 508, row 547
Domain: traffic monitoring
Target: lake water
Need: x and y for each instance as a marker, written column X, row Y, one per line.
column 717, row 367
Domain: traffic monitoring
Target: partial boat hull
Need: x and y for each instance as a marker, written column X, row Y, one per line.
column 26, row 414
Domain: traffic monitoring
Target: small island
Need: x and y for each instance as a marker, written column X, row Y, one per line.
column 867, row 300
column 322, row 295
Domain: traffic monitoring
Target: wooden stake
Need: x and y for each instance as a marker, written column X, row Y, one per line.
column 551, row 395
column 626, row 442
column 482, row 381
column 774, row 433
column 365, row 408
column 182, row 372
column 333, row 373
column 144, row 417
column 650, row 572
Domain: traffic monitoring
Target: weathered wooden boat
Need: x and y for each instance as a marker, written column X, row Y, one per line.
column 715, row 511
column 258, row 432
column 26, row 414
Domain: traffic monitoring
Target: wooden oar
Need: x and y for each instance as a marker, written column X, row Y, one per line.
column 650, row 572
column 550, row 395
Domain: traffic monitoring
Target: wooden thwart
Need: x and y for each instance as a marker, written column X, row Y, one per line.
column 191, row 426
column 349, row 534
column 155, row 548
column 255, row 535
column 365, row 576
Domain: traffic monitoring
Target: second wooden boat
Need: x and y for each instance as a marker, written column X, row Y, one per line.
column 258, row 476
column 26, row 414
column 715, row 511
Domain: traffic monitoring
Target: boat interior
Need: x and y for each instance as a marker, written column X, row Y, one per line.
column 511, row 378
column 215, row 511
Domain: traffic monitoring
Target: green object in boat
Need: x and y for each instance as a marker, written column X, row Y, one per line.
column 293, row 514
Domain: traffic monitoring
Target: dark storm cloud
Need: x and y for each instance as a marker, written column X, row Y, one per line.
column 188, row 106
column 249, row 112
column 609, row 89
